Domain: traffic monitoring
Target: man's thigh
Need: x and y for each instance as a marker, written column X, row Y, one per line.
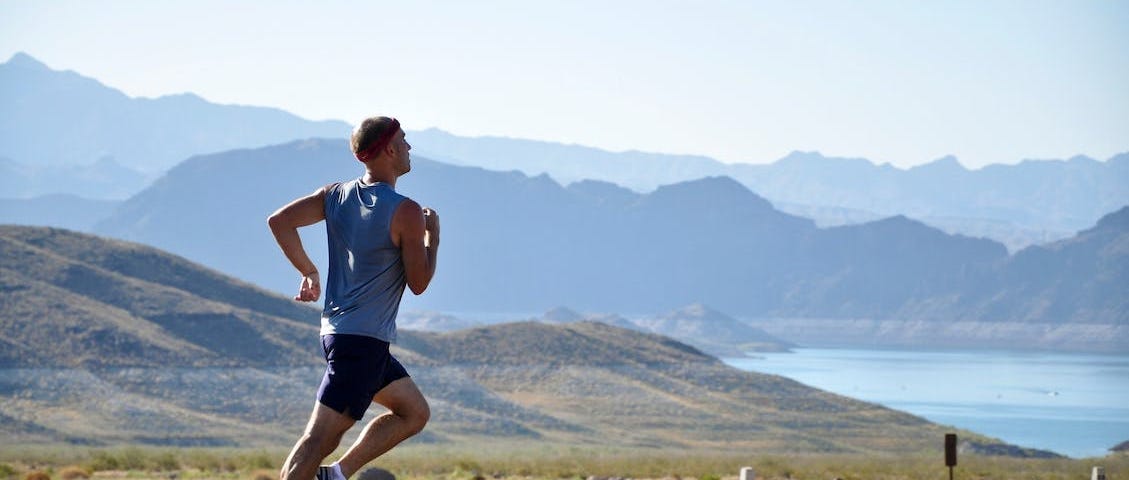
column 402, row 397
column 358, row 367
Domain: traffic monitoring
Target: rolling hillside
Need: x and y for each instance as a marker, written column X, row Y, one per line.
column 74, row 300
column 108, row 342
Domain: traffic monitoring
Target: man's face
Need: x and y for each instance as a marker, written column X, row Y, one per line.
column 403, row 158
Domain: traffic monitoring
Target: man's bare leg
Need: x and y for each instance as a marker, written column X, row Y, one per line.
column 323, row 434
column 408, row 413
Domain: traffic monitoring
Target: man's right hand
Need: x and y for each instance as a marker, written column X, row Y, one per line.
column 284, row 224
column 310, row 289
column 416, row 231
column 431, row 223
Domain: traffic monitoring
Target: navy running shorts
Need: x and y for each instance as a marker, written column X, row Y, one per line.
column 358, row 367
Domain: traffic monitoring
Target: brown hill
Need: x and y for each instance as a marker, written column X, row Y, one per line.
column 74, row 300
column 106, row 342
column 622, row 387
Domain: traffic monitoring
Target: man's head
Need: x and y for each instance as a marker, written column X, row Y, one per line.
column 378, row 137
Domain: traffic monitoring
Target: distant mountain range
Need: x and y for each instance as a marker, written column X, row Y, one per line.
column 517, row 243
column 57, row 122
column 1031, row 202
column 107, row 342
column 115, row 145
column 514, row 243
column 639, row 171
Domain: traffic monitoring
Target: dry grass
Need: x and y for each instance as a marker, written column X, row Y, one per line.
column 533, row 462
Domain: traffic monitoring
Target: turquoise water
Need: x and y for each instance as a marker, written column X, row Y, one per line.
column 1072, row 404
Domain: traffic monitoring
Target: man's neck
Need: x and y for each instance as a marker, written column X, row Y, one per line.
column 372, row 177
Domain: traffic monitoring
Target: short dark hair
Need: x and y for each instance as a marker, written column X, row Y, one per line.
column 369, row 131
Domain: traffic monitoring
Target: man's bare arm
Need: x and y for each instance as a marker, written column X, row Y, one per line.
column 416, row 231
column 284, row 224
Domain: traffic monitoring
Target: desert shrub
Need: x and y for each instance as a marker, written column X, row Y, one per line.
column 101, row 461
column 37, row 475
column 132, row 458
column 7, row 471
column 229, row 464
column 465, row 469
column 468, row 465
column 166, row 462
column 224, row 461
column 127, row 459
column 202, row 460
column 74, row 473
column 258, row 460
column 771, row 466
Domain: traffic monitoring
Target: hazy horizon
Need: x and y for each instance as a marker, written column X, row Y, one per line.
column 898, row 83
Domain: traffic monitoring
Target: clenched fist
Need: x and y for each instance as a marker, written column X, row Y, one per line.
column 431, row 222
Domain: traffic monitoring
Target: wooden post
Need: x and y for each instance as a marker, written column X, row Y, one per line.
column 950, row 452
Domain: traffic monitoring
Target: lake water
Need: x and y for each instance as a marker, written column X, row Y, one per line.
column 1072, row 404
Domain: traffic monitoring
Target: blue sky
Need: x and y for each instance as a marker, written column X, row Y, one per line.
column 903, row 82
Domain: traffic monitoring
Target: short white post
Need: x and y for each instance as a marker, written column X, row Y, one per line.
column 747, row 473
column 1097, row 474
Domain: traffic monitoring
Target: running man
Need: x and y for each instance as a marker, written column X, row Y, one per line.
column 379, row 241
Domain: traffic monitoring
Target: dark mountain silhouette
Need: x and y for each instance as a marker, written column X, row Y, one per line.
column 514, row 243
column 1029, row 202
column 62, row 119
column 123, row 343
column 1081, row 279
column 923, row 263
column 1068, row 295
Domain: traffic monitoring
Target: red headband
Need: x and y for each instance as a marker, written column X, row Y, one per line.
column 381, row 141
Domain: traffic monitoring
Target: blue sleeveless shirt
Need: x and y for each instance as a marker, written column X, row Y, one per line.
column 366, row 274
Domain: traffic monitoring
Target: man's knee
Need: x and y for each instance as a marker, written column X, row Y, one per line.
column 404, row 400
column 421, row 417
column 417, row 416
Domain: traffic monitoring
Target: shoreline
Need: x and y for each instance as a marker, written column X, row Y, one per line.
column 997, row 393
